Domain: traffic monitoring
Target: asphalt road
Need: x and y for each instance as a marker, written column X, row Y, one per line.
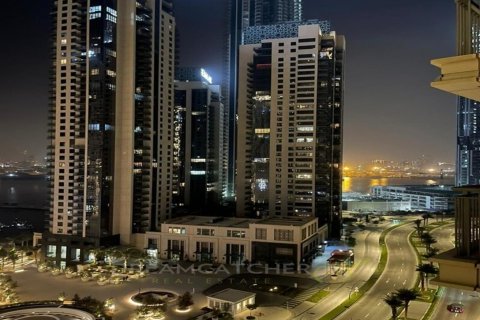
column 399, row 273
column 340, row 287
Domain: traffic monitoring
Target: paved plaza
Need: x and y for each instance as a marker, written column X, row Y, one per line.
column 34, row 285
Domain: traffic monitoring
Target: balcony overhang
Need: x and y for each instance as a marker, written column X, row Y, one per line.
column 456, row 272
column 460, row 75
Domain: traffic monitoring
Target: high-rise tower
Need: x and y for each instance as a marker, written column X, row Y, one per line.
column 110, row 126
column 200, row 143
column 242, row 14
column 468, row 111
column 289, row 142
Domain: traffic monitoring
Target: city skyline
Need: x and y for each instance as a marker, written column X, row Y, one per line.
column 381, row 121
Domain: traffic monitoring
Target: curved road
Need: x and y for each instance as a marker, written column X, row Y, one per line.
column 367, row 248
column 399, row 272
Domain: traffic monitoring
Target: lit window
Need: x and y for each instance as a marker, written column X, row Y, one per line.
column 111, row 18
column 95, row 15
column 94, row 72
column 63, row 61
column 113, row 12
column 94, row 9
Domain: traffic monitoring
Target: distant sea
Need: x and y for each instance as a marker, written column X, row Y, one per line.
column 364, row 184
column 27, row 199
column 24, row 199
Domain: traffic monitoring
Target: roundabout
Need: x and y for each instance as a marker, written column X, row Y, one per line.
column 153, row 297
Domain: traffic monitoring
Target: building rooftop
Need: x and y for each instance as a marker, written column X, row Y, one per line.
column 211, row 221
column 238, row 222
column 232, row 295
column 285, row 221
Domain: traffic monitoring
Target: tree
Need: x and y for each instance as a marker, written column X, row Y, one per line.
column 13, row 257
column 185, row 300
column 126, row 253
column 427, row 240
column 425, row 269
column 394, row 303
column 3, row 256
column 428, row 243
column 112, row 253
column 425, row 217
column 431, row 253
column 142, row 258
column 96, row 253
column 92, row 305
column 420, row 230
column 251, row 307
column 418, row 222
column 407, row 295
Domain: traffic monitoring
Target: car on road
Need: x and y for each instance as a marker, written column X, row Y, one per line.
column 455, row 307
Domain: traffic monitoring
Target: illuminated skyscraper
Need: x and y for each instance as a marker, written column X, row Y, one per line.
column 289, row 135
column 200, row 143
column 468, row 111
column 242, row 14
column 110, row 129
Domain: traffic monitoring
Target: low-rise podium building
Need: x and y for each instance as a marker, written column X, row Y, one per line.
column 272, row 240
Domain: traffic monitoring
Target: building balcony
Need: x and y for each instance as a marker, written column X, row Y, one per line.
column 457, row 272
column 459, row 75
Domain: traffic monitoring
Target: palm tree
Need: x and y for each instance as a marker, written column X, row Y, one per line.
column 3, row 256
column 420, row 230
column 431, row 253
column 425, row 217
column 13, row 256
column 394, row 303
column 428, row 243
column 428, row 240
column 407, row 295
column 425, row 269
column 418, row 222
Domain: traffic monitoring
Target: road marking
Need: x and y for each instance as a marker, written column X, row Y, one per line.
column 387, row 280
column 405, row 282
column 366, row 316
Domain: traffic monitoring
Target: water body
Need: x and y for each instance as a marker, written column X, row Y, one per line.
column 25, row 200
column 364, row 184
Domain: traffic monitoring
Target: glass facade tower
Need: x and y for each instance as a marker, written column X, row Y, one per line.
column 468, row 111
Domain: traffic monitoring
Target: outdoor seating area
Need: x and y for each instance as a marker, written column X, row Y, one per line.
column 101, row 274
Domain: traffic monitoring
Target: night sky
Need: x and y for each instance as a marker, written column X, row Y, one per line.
column 390, row 110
